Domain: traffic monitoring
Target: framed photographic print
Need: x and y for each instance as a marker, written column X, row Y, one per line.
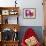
column 29, row 13
column 5, row 12
column 13, row 12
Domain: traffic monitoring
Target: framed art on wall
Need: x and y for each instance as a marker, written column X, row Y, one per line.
column 5, row 12
column 13, row 12
column 29, row 13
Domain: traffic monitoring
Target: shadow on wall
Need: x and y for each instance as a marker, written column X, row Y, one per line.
column 37, row 29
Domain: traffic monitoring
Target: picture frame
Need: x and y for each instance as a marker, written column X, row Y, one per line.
column 13, row 12
column 29, row 13
column 5, row 12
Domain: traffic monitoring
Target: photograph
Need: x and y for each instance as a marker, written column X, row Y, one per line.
column 29, row 13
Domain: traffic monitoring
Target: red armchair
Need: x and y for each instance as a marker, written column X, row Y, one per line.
column 30, row 38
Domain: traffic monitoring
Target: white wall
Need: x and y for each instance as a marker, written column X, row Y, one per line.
column 27, row 4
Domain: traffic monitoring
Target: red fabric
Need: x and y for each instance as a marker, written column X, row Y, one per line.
column 29, row 33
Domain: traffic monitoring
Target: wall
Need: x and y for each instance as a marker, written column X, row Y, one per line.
column 27, row 4
column 39, row 13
